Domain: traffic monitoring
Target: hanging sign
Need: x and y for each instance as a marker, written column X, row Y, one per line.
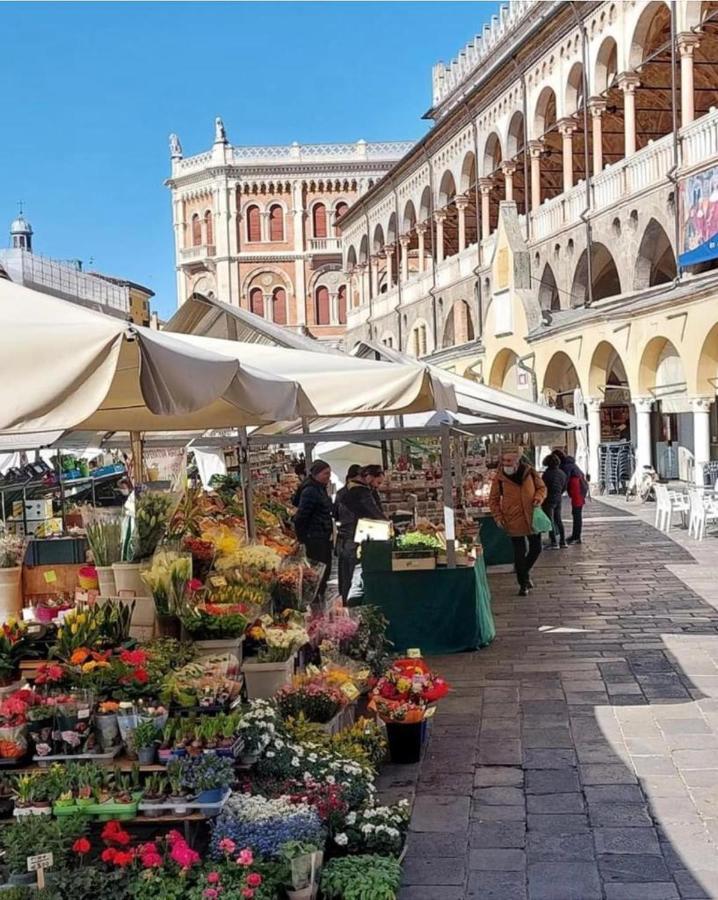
column 698, row 195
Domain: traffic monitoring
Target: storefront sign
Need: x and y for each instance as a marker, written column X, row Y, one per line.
column 699, row 217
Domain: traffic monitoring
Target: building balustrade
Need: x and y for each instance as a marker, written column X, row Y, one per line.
column 201, row 251
column 325, row 245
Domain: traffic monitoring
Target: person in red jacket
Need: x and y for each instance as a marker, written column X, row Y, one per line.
column 575, row 491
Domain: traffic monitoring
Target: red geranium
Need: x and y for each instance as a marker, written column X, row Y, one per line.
column 134, row 657
column 81, row 846
column 113, row 833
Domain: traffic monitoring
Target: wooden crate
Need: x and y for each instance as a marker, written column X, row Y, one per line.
column 412, row 563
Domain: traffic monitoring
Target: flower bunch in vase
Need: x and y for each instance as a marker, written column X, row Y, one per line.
column 314, row 698
column 12, row 551
column 152, row 515
column 281, row 641
column 14, row 645
column 406, row 691
column 168, row 578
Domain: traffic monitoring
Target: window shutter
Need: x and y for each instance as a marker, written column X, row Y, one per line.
column 322, row 307
column 276, row 224
column 319, row 221
column 256, row 302
column 254, row 226
column 279, row 306
column 196, row 230
column 209, row 231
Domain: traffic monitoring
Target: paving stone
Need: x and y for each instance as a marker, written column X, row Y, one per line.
column 545, row 845
column 566, row 880
column 452, row 845
column 497, row 860
column 624, row 815
column 627, row 840
column 499, row 796
column 553, row 736
column 448, row 783
column 614, row 793
column 483, row 812
column 626, row 867
column 434, row 892
column 496, row 886
column 558, row 824
column 498, row 834
column 499, row 753
column 552, row 781
column 555, row 803
column 656, row 891
column 438, row 812
column 549, row 759
column 685, row 726
column 498, row 776
column 610, row 773
column 433, row 870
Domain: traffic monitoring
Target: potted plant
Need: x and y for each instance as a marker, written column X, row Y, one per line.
column 216, row 629
column 356, row 877
column 168, row 579
column 208, row 777
column 274, row 663
column 256, row 730
column 12, row 553
column 178, row 791
column 155, row 796
column 104, row 535
column 165, row 751
column 14, row 645
column 305, row 864
column 106, row 726
column 312, row 697
column 38, row 834
column 13, row 724
column 23, row 786
column 143, row 741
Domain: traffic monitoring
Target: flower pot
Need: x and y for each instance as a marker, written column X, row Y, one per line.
column 212, row 795
column 10, row 593
column 108, row 731
column 146, row 755
column 405, row 741
column 127, row 578
column 228, row 647
column 22, row 878
column 106, row 581
column 43, row 808
column 40, row 733
column 165, row 755
column 248, row 759
column 169, row 626
column 265, row 679
column 179, row 805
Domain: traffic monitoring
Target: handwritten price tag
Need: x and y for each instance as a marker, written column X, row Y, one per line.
column 218, row 581
column 350, row 691
column 50, row 578
column 429, row 712
column 413, row 653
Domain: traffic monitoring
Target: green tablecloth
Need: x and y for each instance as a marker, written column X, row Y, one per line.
column 498, row 549
column 439, row 611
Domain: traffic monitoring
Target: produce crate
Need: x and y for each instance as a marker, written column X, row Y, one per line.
column 413, row 560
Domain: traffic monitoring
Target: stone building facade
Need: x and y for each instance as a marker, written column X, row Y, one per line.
column 258, row 227
column 532, row 239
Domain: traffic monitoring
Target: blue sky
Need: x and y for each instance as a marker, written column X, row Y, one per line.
column 92, row 90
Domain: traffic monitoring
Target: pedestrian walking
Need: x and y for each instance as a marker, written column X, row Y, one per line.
column 313, row 523
column 578, row 500
column 555, row 480
column 517, row 489
column 360, row 500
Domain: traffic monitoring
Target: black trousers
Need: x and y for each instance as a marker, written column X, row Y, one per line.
column 553, row 511
column 526, row 551
column 577, row 513
column 346, row 563
column 320, row 550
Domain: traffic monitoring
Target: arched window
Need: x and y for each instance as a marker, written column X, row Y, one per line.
column 208, row 229
column 196, row 230
column 321, row 306
column 339, row 211
column 279, row 306
column 256, row 302
column 276, row 223
column 342, row 304
column 319, row 221
column 254, row 224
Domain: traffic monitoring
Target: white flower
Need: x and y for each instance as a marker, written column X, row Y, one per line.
column 331, row 779
column 341, row 839
column 271, row 754
column 351, row 818
column 295, row 762
column 367, row 829
column 279, row 743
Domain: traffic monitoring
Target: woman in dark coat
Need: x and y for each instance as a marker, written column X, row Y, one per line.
column 313, row 523
column 555, row 480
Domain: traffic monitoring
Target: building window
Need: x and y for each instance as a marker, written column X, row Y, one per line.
column 256, row 302
column 279, row 306
column 254, row 224
column 319, row 221
column 339, row 211
column 208, row 229
column 342, row 304
column 196, row 230
column 321, row 311
column 276, row 223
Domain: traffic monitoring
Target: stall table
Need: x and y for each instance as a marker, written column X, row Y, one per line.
column 439, row 611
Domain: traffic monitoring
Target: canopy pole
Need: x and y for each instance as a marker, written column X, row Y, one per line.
column 138, row 461
column 448, row 490
column 308, row 445
column 245, row 475
column 62, row 494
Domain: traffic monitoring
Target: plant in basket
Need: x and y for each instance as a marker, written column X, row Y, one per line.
column 208, row 776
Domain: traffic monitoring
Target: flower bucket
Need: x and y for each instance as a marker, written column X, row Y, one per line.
column 108, row 731
column 126, row 724
column 146, row 755
column 106, row 581
column 169, row 626
column 405, row 741
column 10, row 593
column 229, row 647
column 265, row 679
column 40, row 732
column 213, row 795
column 127, row 578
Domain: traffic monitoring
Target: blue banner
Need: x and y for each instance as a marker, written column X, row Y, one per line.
column 699, row 217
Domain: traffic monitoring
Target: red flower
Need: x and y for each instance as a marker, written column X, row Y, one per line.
column 48, row 674
column 141, row 676
column 108, row 855
column 134, row 657
column 195, row 584
column 123, row 858
column 113, row 833
column 254, row 880
column 81, row 846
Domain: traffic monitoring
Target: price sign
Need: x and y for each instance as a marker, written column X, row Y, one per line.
column 50, row 578
column 413, row 653
column 218, row 581
column 350, row 691
column 38, row 864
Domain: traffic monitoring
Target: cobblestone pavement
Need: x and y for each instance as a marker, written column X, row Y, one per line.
column 577, row 758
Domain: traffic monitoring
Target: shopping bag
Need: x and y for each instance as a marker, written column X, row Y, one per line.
column 540, row 521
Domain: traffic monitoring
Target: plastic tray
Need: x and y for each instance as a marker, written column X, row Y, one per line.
column 44, row 761
column 207, row 809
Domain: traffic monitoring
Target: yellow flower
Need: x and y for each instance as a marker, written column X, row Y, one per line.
column 73, row 628
column 402, row 685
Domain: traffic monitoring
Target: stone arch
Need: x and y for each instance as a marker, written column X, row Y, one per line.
column 447, row 188
column 574, row 96
column 548, row 295
column 606, row 67
column 604, row 276
column 391, row 229
column 707, row 370
column 505, row 373
column 648, row 31
column 492, row 154
column 409, row 218
column 364, row 250
column 467, row 181
column 378, row 241
column 661, row 372
column 560, row 380
column 425, row 205
column 656, row 262
column 459, row 325
column 545, row 112
column 351, row 258
column 267, row 277
column 606, row 369
column 515, row 135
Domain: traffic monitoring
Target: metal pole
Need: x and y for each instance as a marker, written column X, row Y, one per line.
column 308, row 446
column 62, row 494
column 447, row 482
column 245, row 475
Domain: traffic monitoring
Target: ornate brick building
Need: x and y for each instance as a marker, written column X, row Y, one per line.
column 258, row 227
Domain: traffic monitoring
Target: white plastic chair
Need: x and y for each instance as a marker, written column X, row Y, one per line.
column 679, row 504
column 664, row 510
column 701, row 513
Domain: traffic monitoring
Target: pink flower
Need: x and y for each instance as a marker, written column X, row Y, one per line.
column 248, row 893
column 210, row 893
column 227, row 845
column 245, row 858
column 213, row 877
column 254, row 880
column 151, row 860
column 183, row 855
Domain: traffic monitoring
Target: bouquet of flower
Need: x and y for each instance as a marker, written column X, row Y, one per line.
column 281, row 641
column 168, row 578
column 202, row 555
column 406, row 691
column 315, row 698
column 215, row 621
column 104, row 535
column 337, row 629
column 153, row 511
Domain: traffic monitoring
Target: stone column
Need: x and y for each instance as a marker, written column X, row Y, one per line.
column 374, row 272
column 485, row 185
column 701, row 435
column 508, row 168
column 593, row 415
column 268, row 309
column 389, row 252
column 334, row 308
column 220, row 204
column 361, row 269
column 535, row 151
column 643, row 406
column 404, row 241
column 461, row 203
column 420, row 233
column 628, row 82
column 567, row 127
column 178, row 217
column 440, row 218
column 597, row 107
column 687, row 43
column 264, row 219
column 300, row 290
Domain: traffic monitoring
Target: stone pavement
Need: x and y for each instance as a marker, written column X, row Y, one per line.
column 577, row 757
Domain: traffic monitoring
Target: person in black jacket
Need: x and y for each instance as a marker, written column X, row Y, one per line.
column 555, row 480
column 360, row 500
column 313, row 520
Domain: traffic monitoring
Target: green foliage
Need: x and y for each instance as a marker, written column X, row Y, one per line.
column 152, row 516
column 366, row 877
column 30, row 835
column 104, row 535
column 370, row 645
column 416, row 540
column 145, row 735
column 364, row 742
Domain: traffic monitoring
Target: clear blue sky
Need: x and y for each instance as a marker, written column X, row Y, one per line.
column 92, row 90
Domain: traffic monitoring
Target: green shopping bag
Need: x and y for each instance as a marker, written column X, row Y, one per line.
column 540, row 521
